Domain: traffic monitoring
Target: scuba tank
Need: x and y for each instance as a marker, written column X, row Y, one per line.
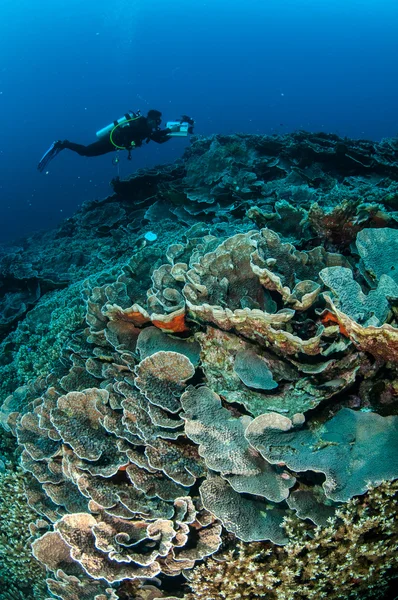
column 129, row 116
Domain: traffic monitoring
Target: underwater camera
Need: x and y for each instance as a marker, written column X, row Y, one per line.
column 179, row 129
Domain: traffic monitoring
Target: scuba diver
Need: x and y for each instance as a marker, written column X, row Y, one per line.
column 128, row 132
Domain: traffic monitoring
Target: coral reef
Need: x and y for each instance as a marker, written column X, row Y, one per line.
column 305, row 186
column 182, row 399
column 353, row 556
column 21, row 577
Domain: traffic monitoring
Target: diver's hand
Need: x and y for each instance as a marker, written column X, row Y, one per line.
column 186, row 119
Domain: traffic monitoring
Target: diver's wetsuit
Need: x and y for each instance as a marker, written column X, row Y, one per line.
column 128, row 134
column 131, row 135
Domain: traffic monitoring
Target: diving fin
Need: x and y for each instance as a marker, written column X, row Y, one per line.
column 51, row 153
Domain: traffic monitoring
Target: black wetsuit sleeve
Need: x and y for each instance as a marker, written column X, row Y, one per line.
column 160, row 136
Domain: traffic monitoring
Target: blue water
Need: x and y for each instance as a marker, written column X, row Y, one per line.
column 67, row 68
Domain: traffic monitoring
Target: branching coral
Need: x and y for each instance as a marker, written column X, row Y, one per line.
column 353, row 557
column 37, row 343
column 21, row 577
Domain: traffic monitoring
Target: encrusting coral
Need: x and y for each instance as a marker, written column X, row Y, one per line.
column 215, row 386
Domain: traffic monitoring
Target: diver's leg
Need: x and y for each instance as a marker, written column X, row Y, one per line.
column 96, row 149
column 101, row 147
